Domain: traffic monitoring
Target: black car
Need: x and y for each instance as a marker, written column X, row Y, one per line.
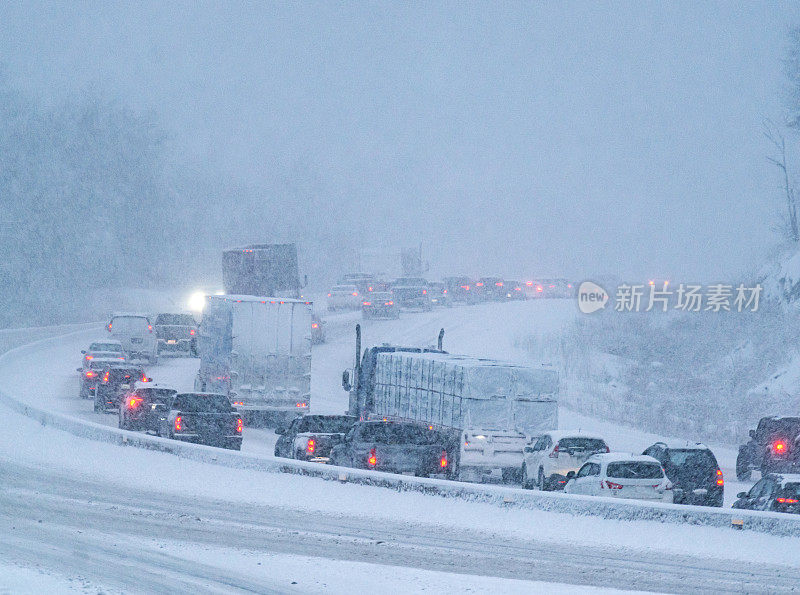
column 143, row 407
column 773, row 447
column 396, row 447
column 202, row 418
column 490, row 289
column 412, row 292
column 114, row 382
column 693, row 471
column 380, row 304
column 91, row 374
column 311, row 437
column 775, row 492
column 461, row 289
column 176, row 333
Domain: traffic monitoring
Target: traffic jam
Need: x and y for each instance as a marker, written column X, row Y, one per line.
column 412, row 410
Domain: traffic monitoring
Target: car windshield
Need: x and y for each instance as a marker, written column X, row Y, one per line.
column 584, row 444
column 202, row 403
column 175, row 319
column 129, row 324
column 330, row 425
column 634, row 470
column 692, row 458
column 109, row 347
column 398, row 434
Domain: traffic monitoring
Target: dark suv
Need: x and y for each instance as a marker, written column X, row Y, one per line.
column 773, row 447
column 775, row 492
column 142, row 407
column 176, row 333
column 693, row 471
column 114, row 382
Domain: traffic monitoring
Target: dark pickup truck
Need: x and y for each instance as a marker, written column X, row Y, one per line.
column 311, row 437
column 202, row 418
column 774, row 447
column 143, row 407
column 176, row 333
column 395, row 447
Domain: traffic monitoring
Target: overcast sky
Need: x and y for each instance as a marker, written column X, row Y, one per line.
column 576, row 139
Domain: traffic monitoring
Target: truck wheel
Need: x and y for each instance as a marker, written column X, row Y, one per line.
column 743, row 471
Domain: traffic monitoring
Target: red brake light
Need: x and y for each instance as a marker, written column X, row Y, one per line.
column 88, row 357
column 611, row 485
column 109, row 327
column 178, row 424
column 144, row 377
column 329, row 295
column 192, row 332
column 105, row 377
column 499, row 283
column 786, row 500
column 479, row 285
column 720, row 480
column 133, row 402
column 372, row 460
column 239, row 425
column 355, row 293
column 150, row 328
column 90, row 374
column 539, row 288
column 367, row 303
column 311, row 446
column 389, row 304
column 314, row 325
column 779, row 447
column 554, row 454
column 424, row 292
column 529, row 283
column 443, row 460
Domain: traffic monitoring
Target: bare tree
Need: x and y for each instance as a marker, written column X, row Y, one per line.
column 779, row 142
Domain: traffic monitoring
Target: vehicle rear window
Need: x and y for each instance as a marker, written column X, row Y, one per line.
column 585, row 444
column 129, row 324
column 634, row 470
column 203, row 403
column 346, row 288
column 695, row 458
column 112, row 347
column 788, row 427
column 159, row 395
column 790, row 490
column 398, row 434
column 327, row 425
column 176, row 319
column 120, row 374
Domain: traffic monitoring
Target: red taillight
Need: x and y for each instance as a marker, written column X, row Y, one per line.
column 499, row 283
column 355, row 293
column 554, row 454
column 786, row 500
column 109, row 327
column 105, row 377
column 424, row 292
column 465, row 287
column 539, row 288
column 302, row 405
column 720, row 480
column 388, row 304
column 314, row 325
column 329, row 295
column 144, row 377
column 133, row 402
column 192, row 332
column 369, row 288
column 88, row 357
column 443, row 460
column 779, row 447
column 90, row 374
column 529, row 283
column 239, row 425
column 611, row 485
column 150, row 328
column 367, row 303
column 235, row 403
column 178, row 424
column 311, row 446
column 372, row 460
column 479, row 285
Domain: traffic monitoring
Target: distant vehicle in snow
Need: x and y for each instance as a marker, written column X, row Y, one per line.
column 379, row 304
column 262, row 270
column 364, row 282
column 395, row 447
column 490, row 289
column 693, row 470
column 439, row 294
column 461, row 289
column 548, row 459
column 411, row 292
column 486, row 409
column 620, row 475
column 135, row 333
column 90, row 376
column 114, row 382
column 311, row 437
column 552, row 288
column 108, row 350
column 176, row 333
column 778, row 492
column 514, row 290
column 202, row 418
column 344, row 297
column 257, row 351
column 774, row 446
column 317, row 330
column 142, row 407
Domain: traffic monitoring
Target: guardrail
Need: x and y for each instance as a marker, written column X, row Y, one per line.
column 608, row 508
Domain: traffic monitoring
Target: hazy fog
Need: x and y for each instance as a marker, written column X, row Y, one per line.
column 521, row 140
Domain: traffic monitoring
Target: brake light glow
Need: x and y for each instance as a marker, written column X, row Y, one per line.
column 238, row 403
column 443, row 460
column 105, row 377
column 424, row 292
column 529, row 283
column 144, row 378
column 150, row 328
column 109, row 326
column 239, row 425
column 787, row 500
column 314, row 325
column 367, row 303
column 311, row 446
column 465, row 287
column 372, row 460
column 539, row 288
column 178, row 424
column 779, row 447
column 301, row 404
column 554, row 454
column 133, row 402
column 499, row 283
column 355, row 293
column 192, row 332
column 90, row 374
column 720, row 480
column 611, row 485
column 88, row 357
column 388, row 304
column 479, row 285
column 329, row 295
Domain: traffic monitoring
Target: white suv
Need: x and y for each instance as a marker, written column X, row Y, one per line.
column 344, row 297
column 548, row 459
column 135, row 333
column 619, row 475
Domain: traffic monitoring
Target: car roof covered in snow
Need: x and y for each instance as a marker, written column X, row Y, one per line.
column 621, row 457
column 106, row 342
column 132, row 314
column 256, row 299
column 559, row 434
column 681, row 445
column 785, row 478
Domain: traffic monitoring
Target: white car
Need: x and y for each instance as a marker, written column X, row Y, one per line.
column 619, row 475
column 135, row 333
column 548, row 459
column 344, row 297
column 107, row 349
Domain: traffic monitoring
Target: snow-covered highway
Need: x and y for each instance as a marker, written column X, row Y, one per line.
column 92, row 515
